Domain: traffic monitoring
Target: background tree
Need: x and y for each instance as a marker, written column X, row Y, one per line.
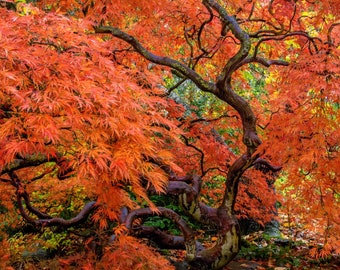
column 115, row 102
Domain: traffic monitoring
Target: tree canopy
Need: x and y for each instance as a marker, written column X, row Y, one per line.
column 108, row 107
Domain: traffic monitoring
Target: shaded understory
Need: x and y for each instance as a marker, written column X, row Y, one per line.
column 287, row 248
column 259, row 251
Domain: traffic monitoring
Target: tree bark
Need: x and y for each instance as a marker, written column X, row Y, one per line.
column 188, row 188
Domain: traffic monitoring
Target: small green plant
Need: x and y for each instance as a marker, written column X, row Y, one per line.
column 282, row 255
column 164, row 223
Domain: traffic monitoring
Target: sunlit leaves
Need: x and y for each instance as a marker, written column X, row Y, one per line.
column 62, row 95
column 306, row 117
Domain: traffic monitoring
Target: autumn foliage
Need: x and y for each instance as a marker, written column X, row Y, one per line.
column 105, row 105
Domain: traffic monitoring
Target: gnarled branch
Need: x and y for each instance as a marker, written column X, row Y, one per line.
column 242, row 36
column 264, row 166
column 161, row 60
column 27, row 161
column 45, row 220
column 189, row 237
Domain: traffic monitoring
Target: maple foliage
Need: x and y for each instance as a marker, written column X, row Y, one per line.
column 112, row 102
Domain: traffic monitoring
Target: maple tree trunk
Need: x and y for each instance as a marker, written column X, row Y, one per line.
column 188, row 188
column 222, row 218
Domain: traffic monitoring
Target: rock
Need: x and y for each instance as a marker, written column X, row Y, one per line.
column 39, row 254
column 272, row 229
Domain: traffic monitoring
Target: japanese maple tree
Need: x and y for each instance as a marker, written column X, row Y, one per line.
column 117, row 101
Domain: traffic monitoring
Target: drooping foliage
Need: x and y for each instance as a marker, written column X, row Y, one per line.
column 311, row 158
column 106, row 103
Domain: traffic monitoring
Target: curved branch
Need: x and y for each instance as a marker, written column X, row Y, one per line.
column 228, row 233
column 224, row 115
column 46, row 172
column 186, row 140
column 282, row 37
column 24, row 195
column 172, row 88
column 276, row 30
column 187, row 184
column 161, row 60
column 264, row 165
column 81, row 217
column 28, row 161
column 262, row 61
column 200, row 31
column 187, row 39
column 22, row 210
column 226, row 93
column 21, row 193
column 5, row 180
column 188, row 190
column 271, row 12
column 163, row 239
column 44, row 219
column 9, row 5
column 292, row 18
column 329, row 33
column 242, row 36
column 189, row 237
column 235, row 172
column 250, row 137
column 222, row 89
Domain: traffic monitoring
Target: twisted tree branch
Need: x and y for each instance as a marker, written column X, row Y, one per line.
column 45, row 220
column 161, row 60
column 189, row 237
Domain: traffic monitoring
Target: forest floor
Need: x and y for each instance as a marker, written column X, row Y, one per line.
column 290, row 251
